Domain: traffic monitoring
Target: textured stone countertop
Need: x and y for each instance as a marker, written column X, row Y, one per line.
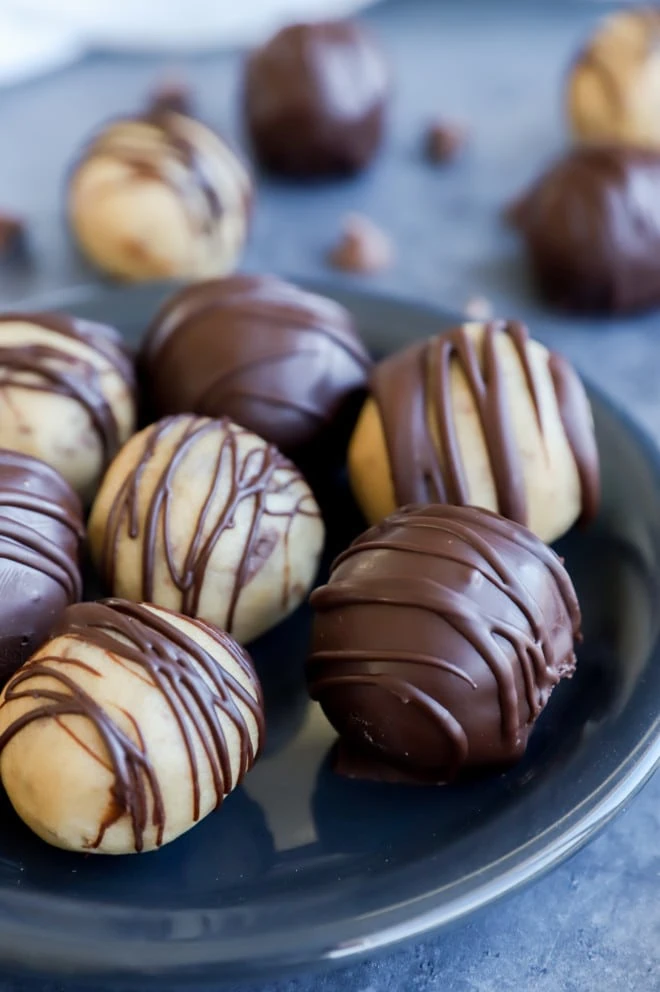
column 593, row 924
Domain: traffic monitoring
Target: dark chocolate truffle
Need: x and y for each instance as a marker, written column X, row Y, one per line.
column 591, row 225
column 315, row 99
column 438, row 640
column 40, row 533
column 282, row 362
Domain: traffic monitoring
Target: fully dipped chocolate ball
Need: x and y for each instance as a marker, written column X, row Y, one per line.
column 437, row 642
column 479, row 415
column 283, row 362
column 315, row 99
column 591, row 227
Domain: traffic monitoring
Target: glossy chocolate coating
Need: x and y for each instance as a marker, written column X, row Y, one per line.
column 40, row 533
column 315, row 99
column 282, row 362
column 591, row 225
column 437, row 642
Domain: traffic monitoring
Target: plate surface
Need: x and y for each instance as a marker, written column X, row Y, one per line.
column 301, row 867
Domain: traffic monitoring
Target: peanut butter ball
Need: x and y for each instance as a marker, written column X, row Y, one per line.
column 480, row 415
column 204, row 517
column 160, row 197
column 130, row 725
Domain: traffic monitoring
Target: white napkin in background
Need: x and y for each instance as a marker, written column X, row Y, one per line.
column 37, row 36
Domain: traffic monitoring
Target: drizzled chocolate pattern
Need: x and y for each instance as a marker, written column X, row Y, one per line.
column 257, row 478
column 49, row 368
column 438, row 640
column 200, row 692
column 413, row 392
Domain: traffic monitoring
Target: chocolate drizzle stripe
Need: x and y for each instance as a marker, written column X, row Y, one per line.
column 576, row 419
column 413, row 658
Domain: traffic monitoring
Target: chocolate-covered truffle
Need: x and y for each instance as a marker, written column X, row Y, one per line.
column 315, row 99
column 67, row 393
column 437, row 642
column 591, row 226
column 479, row 415
column 206, row 518
column 40, row 533
column 613, row 88
column 282, row 362
column 160, row 197
column 127, row 727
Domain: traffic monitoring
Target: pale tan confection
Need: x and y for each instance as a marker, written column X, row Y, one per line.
column 480, row 415
column 160, row 197
column 206, row 518
column 363, row 247
column 613, row 88
column 128, row 727
column 67, row 394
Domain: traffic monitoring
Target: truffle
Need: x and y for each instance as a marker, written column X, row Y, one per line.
column 613, row 87
column 280, row 361
column 206, row 518
column 315, row 99
column 41, row 529
column 437, row 642
column 591, row 226
column 479, row 415
column 66, row 393
column 130, row 725
column 160, row 197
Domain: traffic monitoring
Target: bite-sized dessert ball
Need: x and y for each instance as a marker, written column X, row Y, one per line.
column 127, row 727
column 479, row 415
column 591, row 227
column 67, row 393
column 613, row 87
column 41, row 529
column 206, row 518
column 285, row 363
column 160, row 197
column 437, row 642
column 315, row 99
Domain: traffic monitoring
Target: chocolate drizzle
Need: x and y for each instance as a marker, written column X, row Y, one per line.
column 201, row 694
column 413, row 392
column 439, row 638
column 262, row 474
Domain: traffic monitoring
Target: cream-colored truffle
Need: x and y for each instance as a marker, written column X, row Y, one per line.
column 66, row 394
column 613, row 89
column 481, row 416
column 206, row 518
column 127, row 727
column 160, row 197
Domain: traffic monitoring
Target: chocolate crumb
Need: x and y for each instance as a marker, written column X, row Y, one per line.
column 445, row 141
column 363, row 247
column 13, row 242
column 171, row 96
column 478, row 308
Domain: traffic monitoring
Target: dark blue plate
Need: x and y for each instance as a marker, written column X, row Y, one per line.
column 300, row 867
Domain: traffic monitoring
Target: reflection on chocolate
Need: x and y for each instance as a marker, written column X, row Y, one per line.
column 280, row 361
column 315, row 99
column 591, row 225
column 437, row 643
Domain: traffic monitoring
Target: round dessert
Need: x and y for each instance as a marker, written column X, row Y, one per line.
column 160, row 197
column 67, row 393
column 315, row 99
column 613, row 88
column 41, row 529
column 591, row 227
column 126, row 728
column 282, row 362
column 206, row 518
column 479, row 415
column 437, row 642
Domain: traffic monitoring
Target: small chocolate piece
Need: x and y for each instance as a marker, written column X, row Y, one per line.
column 171, row 96
column 13, row 241
column 591, row 226
column 363, row 247
column 315, row 99
column 283, row 362
column 437, row 642
column 41, row 530
column 445, row 141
